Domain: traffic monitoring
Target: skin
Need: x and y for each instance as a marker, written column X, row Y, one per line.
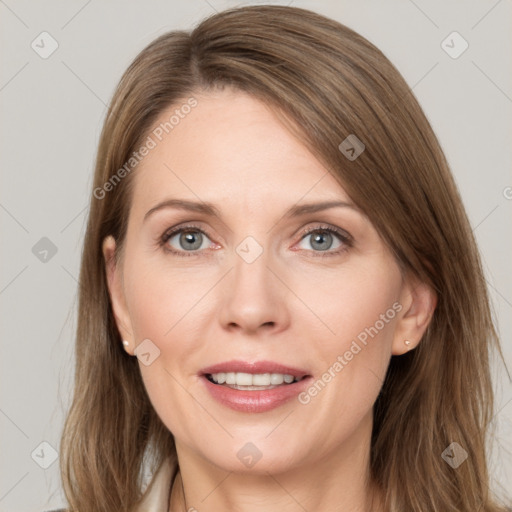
column 291, row 305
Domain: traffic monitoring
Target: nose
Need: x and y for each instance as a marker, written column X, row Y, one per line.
column 253, row 298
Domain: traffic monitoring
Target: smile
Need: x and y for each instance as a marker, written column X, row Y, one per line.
column 253, row 387
column 254, row 382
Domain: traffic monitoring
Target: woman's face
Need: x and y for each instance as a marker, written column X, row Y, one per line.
column 258, row 284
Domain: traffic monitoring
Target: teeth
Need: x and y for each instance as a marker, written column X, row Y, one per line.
column 276, row 379
column 249, row 379
column 221, row 378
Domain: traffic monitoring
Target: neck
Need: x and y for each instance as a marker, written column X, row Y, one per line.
column 338, row 482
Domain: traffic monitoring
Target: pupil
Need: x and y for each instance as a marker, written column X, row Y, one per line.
column 318, row 238
column 191, row 239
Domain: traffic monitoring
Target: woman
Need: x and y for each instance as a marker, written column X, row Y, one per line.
column 282, row 304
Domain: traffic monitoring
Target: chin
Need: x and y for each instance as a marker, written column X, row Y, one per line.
column 256, row 458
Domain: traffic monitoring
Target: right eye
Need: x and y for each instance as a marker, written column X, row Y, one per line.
column 185, row 239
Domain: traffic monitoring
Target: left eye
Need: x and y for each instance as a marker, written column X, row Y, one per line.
column 188, row 240
column 323, row 239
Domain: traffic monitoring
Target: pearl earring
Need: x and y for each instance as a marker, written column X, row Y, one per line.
column 407, row 342
column 126, row 343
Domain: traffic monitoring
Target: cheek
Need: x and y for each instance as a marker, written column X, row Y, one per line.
column 163, row 303
column 161, row 298
column 358, row 309
column 354, row 302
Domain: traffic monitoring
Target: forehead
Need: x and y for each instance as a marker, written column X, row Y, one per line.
column 229, row 147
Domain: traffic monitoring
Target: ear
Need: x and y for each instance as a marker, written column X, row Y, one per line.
column 116, row 291
column 418, row 301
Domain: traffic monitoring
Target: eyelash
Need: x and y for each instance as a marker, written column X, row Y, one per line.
column 344, row 237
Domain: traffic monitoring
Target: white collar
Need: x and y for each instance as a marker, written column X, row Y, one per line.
column 157, row 496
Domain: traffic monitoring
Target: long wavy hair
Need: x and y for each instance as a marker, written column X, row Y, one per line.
column 325, row 82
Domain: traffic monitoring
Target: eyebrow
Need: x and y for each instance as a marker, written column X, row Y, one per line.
column 210, row 209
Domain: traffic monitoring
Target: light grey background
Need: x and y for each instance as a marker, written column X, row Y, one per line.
column 52, row 111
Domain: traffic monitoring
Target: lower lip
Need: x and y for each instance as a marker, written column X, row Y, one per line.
column 255, row 401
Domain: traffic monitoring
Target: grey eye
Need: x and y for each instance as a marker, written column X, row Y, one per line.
column 188, row 240
column 322, row 240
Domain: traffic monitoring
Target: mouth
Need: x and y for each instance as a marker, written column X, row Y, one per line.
column 253, row 387
column 252, row 381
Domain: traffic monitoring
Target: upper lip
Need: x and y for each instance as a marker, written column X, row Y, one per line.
column 238, row 366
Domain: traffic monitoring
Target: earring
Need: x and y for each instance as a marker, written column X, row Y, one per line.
column 407, row 342
column 126, row 343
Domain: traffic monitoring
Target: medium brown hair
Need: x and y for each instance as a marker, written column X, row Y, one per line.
column 325, row 82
